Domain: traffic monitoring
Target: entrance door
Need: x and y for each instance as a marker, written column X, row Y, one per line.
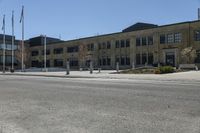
column 170, row 59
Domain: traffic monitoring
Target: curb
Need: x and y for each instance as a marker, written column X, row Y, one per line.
column 106, row 77
column 40, row 75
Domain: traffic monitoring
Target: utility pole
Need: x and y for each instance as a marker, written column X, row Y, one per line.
column 45, row 53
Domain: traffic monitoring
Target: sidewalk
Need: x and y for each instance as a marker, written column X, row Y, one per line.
column 106, row 74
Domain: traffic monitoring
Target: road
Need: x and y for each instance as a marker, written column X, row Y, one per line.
column 59, row 105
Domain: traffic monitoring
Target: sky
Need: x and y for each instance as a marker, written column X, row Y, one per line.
column 72, row 19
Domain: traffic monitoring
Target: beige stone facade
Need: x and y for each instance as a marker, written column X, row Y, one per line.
column 153, row 46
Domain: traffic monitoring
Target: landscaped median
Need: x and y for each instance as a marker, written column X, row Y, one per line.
column 152, row 70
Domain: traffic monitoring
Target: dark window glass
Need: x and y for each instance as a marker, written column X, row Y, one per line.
column 122, row 44
column 108, row 61
column 144, row 41
column 197, row 35
column 73, row 49
column 127, row 43
column 99, row 46
column 73, row 62
column 104, row 61
column 144, row 58
column 122, row 61
column 58, row 51
column 150, row 40
column 58, row 62
column 162, row 39
column 150, row 58
column 104, row 45
column 35, row 53
column 108, row 45
column 117, row 44
column 117, row 59
column 90, row 47
column 35, row 63
column 47, row 63
column 47, row 52
column 197, row 60
column 138, row 61
column 100, row 64
column 138, row 42
column 127, row 60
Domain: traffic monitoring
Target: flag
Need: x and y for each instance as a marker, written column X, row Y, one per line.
column 3, row 27
column 22, row 14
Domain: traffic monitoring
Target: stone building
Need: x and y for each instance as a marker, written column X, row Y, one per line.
column 140, row 44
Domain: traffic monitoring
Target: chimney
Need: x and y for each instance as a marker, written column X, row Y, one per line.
column 198, row 13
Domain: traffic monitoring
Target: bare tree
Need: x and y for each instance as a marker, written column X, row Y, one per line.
column 188, row 55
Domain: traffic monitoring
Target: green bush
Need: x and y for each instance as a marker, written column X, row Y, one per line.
column 166, row 69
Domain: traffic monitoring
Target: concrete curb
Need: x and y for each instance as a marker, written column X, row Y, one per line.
column 41, row 75
column 89, row 77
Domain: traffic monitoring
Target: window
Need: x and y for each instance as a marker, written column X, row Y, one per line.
column 47, row 63
column 100, row 62
column 58, row 62
column 104, row 45
column 47, row 52
column 73, row 62
column 117, row 44
column 122, row 44
column 144, row 41
column 104, row 61
column 144, row 58
column 197, row 60
column 9, row 46
column 177, row 37
column 138, row 42
column 138, row 61
column 197, row 35
column 35, row 63
column 99, row 46
column 127, row 60
column 162, row 39
column 73, row 49
column 108, row 61
column 150, row 40
column 90, row 47
column 108, row 45
column 170, row 38
column 35, row 53
column 150, row 58
column 122, row 61
column 127, row 43
column 117, row 59
column 58, row 51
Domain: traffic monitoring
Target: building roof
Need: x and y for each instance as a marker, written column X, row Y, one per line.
column 39, row 40
column 139, row 26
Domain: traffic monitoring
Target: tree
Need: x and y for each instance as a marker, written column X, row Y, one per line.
column 188, row 55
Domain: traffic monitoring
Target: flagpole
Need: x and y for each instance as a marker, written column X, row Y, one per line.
column 12, row 41
column 4, row 44
column 45, row 53
column 22, row 21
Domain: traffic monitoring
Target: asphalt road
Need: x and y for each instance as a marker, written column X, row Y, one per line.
column 58, row 105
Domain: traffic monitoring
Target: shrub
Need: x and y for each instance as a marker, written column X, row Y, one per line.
column 166, row 69
column 157, row 71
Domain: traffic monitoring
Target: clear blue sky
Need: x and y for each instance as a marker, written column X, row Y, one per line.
column 82, row 18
